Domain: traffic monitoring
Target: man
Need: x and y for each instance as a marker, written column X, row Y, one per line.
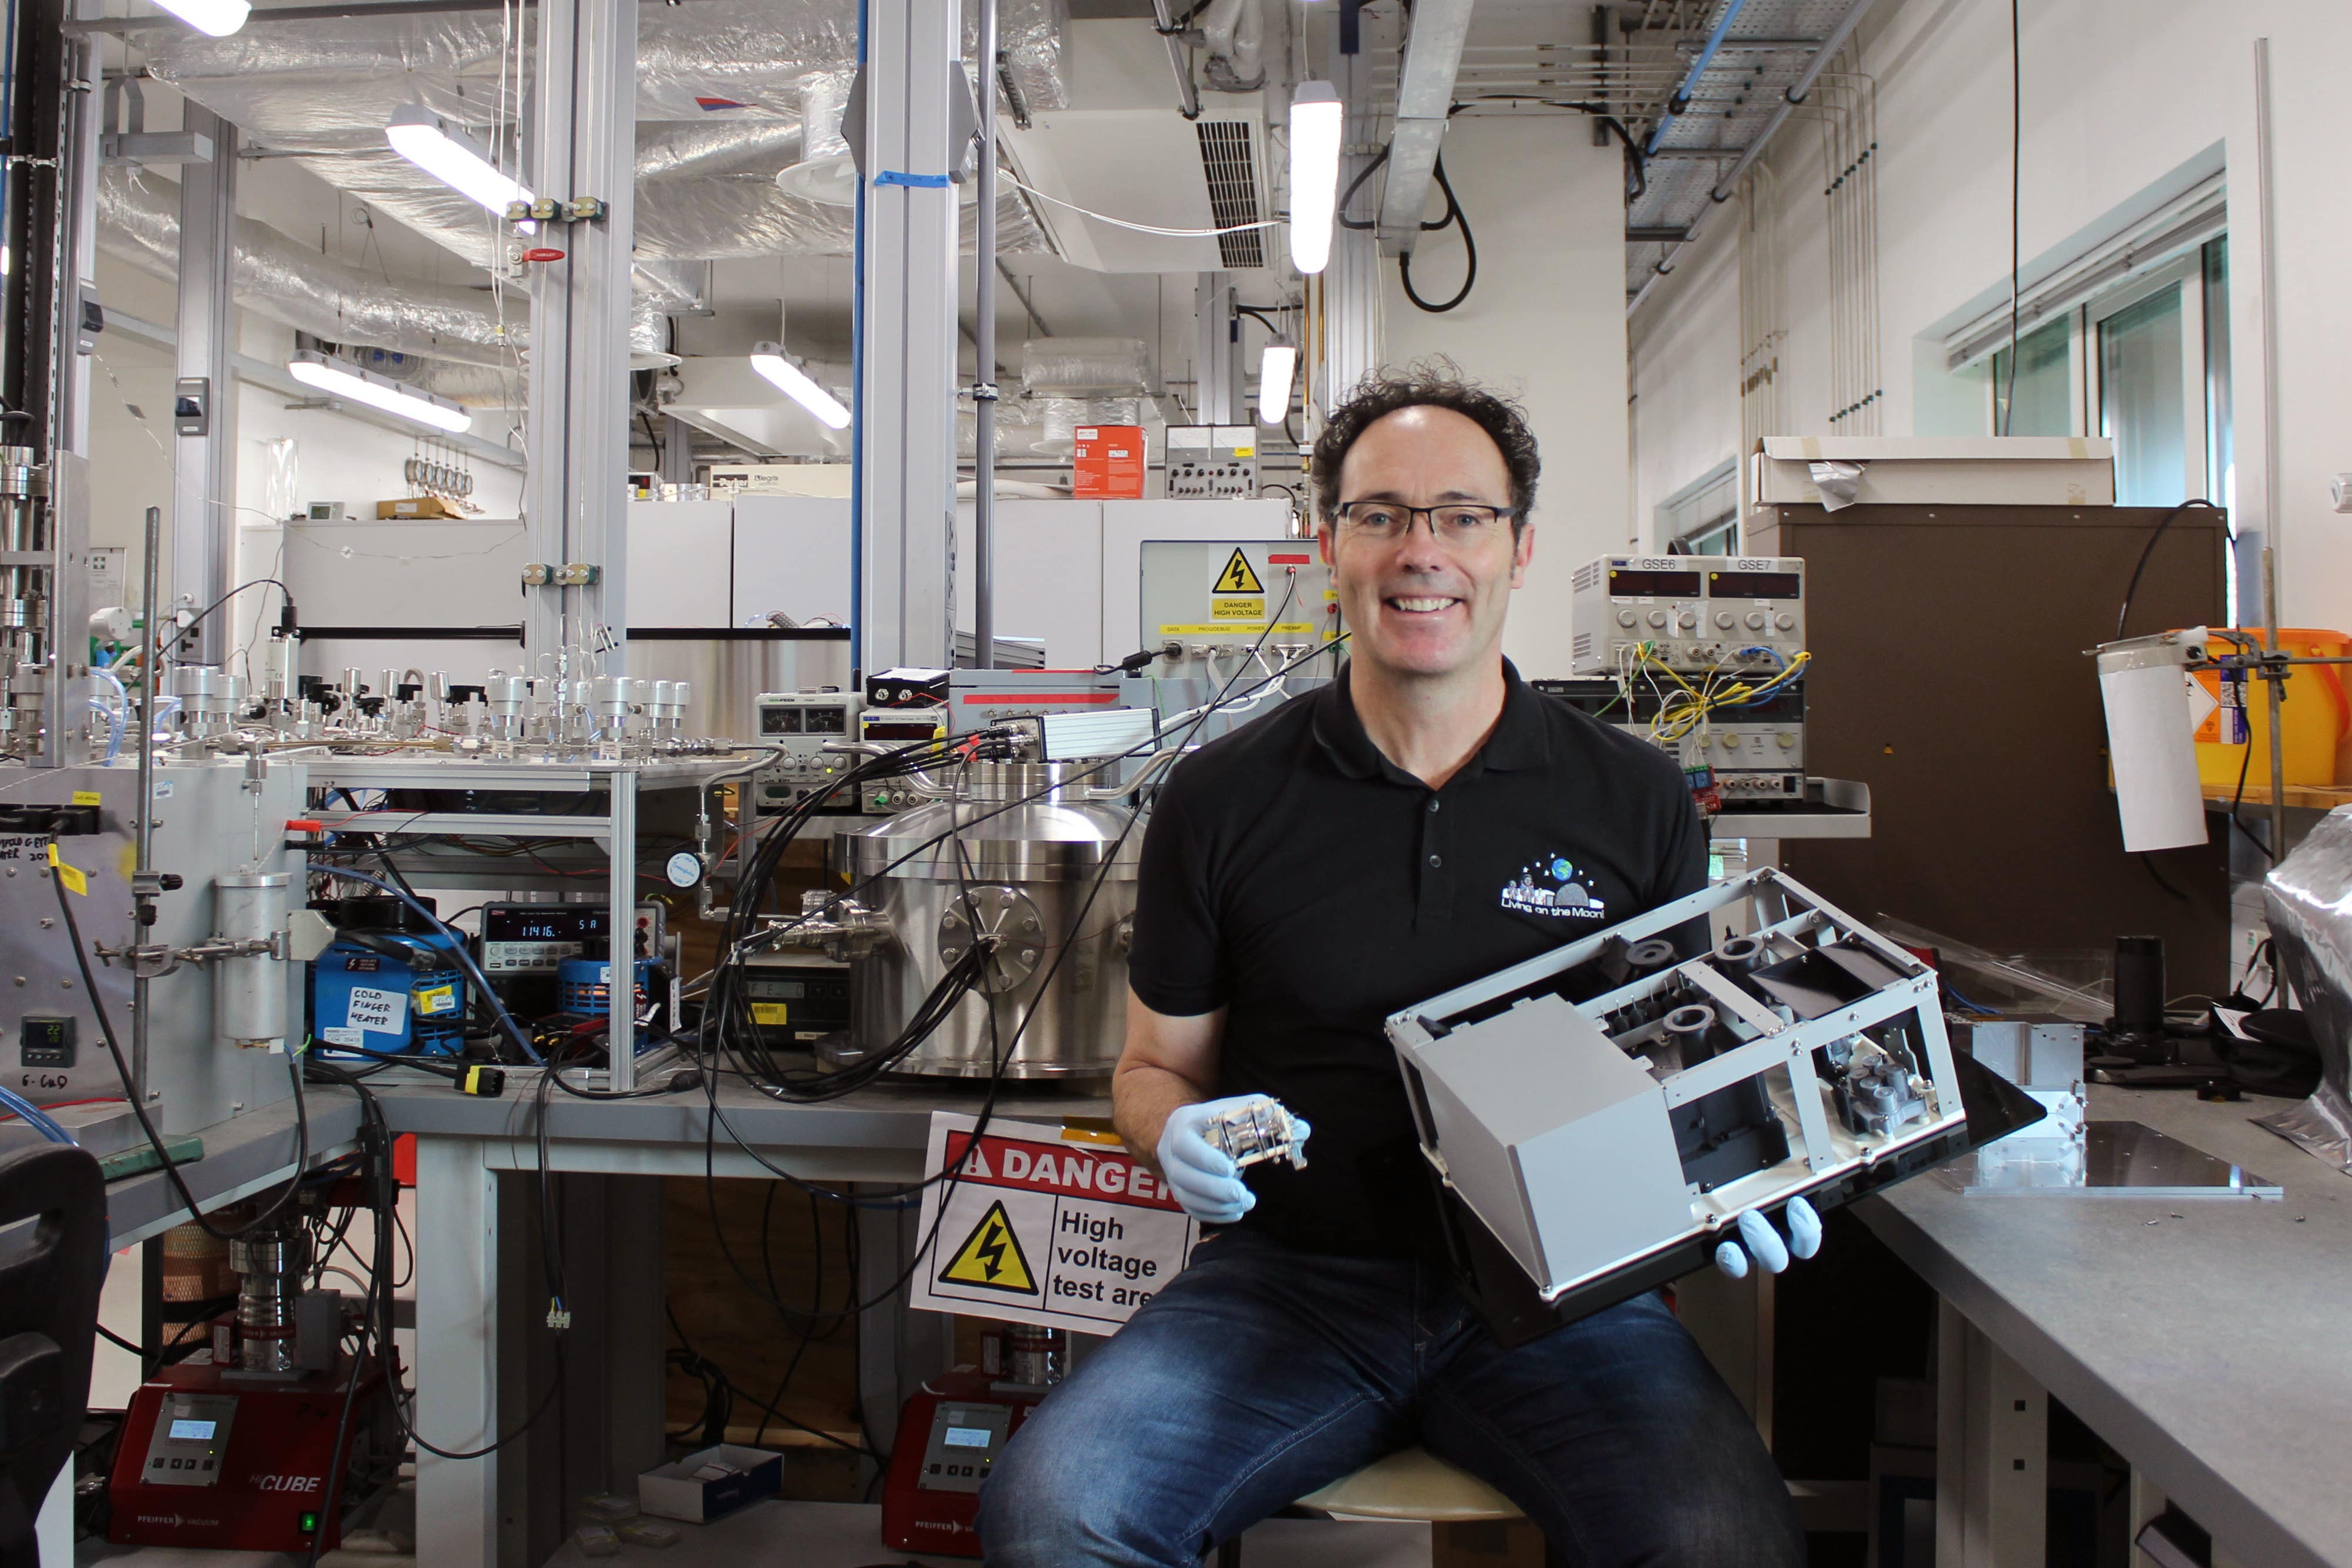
column 1349, row 854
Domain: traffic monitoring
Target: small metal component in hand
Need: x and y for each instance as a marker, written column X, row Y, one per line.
column 1257, row 1130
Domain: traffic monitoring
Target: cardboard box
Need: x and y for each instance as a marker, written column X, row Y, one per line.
column 2015, row 470
column 678, row 1492
column 824, row 479
column 417, row 506
column 1106, row 463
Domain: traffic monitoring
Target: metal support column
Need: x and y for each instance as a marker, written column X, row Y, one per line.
column 907, row 425
column 585, row 145
column 983, row 347
column 1993, row 1452
column 621, row 896
column 677, row 452
column 204, row 476
column 1217, row 370
column 898, row 1349
column 458, row 1512
column 78, row 252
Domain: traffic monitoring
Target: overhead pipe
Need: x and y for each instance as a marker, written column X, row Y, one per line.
column 1188, row 97
column 1681, row 100
column 1723, row 188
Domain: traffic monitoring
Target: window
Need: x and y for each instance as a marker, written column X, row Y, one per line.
column 2145, row 365
column 1703, row 516
column 2045, row 388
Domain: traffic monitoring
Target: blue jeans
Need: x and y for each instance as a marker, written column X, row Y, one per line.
column 1261, row 1373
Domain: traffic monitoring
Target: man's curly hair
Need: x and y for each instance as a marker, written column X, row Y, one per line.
column 1434, row 383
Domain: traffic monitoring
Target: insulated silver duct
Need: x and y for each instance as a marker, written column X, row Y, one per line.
column 138, row 222
column 469, row 351
column 330, row 83
column 717, row 103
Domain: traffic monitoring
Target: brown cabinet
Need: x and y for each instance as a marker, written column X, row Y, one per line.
column 1950, row 674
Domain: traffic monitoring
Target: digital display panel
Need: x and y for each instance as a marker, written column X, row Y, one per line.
column 775, row 990
column 193, row 1431
column 1654, row 584
column 926, row 729
column 526, row 923
column 1757, row 584
column 968, row 1437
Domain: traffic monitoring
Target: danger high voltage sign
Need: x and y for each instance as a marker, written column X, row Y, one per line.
column 1039, row 1229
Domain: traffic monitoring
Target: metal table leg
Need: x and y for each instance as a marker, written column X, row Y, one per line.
column 1992, row 1453
column 457, row 1501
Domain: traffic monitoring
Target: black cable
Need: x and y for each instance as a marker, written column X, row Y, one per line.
column 2237, row 800
column 1341, row 212
column 382, row 1331
column 1001, row 1057
column 379, row 1148
column 131, row 1093
column 2147, row 859
column 2131, row 589
column 704, row 1369
column 117, row 1342
column 259, row 582
column 1453, row 216
column 1637, row 161
column 2016, row 163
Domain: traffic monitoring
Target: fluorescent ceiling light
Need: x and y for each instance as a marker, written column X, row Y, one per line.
column 771, row 360
column 216, row 19
column 340, row 377
column 452, row 157
column 1275, row 369
column 1316, row 116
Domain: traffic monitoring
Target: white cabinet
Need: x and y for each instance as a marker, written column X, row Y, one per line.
column 1049, row 575
column 678, row 563
column 791, row 553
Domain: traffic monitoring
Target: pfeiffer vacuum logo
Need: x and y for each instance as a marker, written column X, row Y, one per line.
column 1550, row 887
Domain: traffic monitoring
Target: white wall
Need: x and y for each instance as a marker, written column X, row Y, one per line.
column 2116, row 94
column 1546, row 323
column 1686, row 420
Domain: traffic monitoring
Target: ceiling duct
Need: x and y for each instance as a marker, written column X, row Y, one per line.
column 1092, row 158
column 138, row 222
column 1228, row 164
column 469, row 350
column 719, row 89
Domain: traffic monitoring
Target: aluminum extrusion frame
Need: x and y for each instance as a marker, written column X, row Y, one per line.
column 1490, row 1142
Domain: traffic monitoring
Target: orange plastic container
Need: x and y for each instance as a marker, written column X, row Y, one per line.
column 2317, row 714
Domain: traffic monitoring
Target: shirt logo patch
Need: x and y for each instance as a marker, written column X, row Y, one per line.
column 1550, row 887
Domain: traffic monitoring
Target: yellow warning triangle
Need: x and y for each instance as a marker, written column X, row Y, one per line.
column 991, row 1256
column 1237, row 577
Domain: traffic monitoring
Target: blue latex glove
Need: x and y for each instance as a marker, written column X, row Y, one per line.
column 1202, row 1177
column 1763, row 1244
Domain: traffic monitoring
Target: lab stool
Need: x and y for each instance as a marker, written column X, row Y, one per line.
column 1411, row 1484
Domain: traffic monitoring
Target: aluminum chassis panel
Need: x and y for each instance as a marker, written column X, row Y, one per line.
column 1825, row 1159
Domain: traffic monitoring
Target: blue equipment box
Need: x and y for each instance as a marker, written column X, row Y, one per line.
column 396, row 994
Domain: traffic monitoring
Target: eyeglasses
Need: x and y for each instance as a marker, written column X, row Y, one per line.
column 1455, row 523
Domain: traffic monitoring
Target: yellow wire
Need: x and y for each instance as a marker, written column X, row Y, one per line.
column 1672, row 723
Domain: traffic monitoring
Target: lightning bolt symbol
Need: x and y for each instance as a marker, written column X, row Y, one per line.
column 991, row 1251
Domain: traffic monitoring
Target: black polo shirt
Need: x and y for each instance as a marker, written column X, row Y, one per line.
column 1295, row 875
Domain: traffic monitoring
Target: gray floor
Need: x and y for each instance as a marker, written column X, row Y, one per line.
column 850, row 1535
column 846, row 1535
